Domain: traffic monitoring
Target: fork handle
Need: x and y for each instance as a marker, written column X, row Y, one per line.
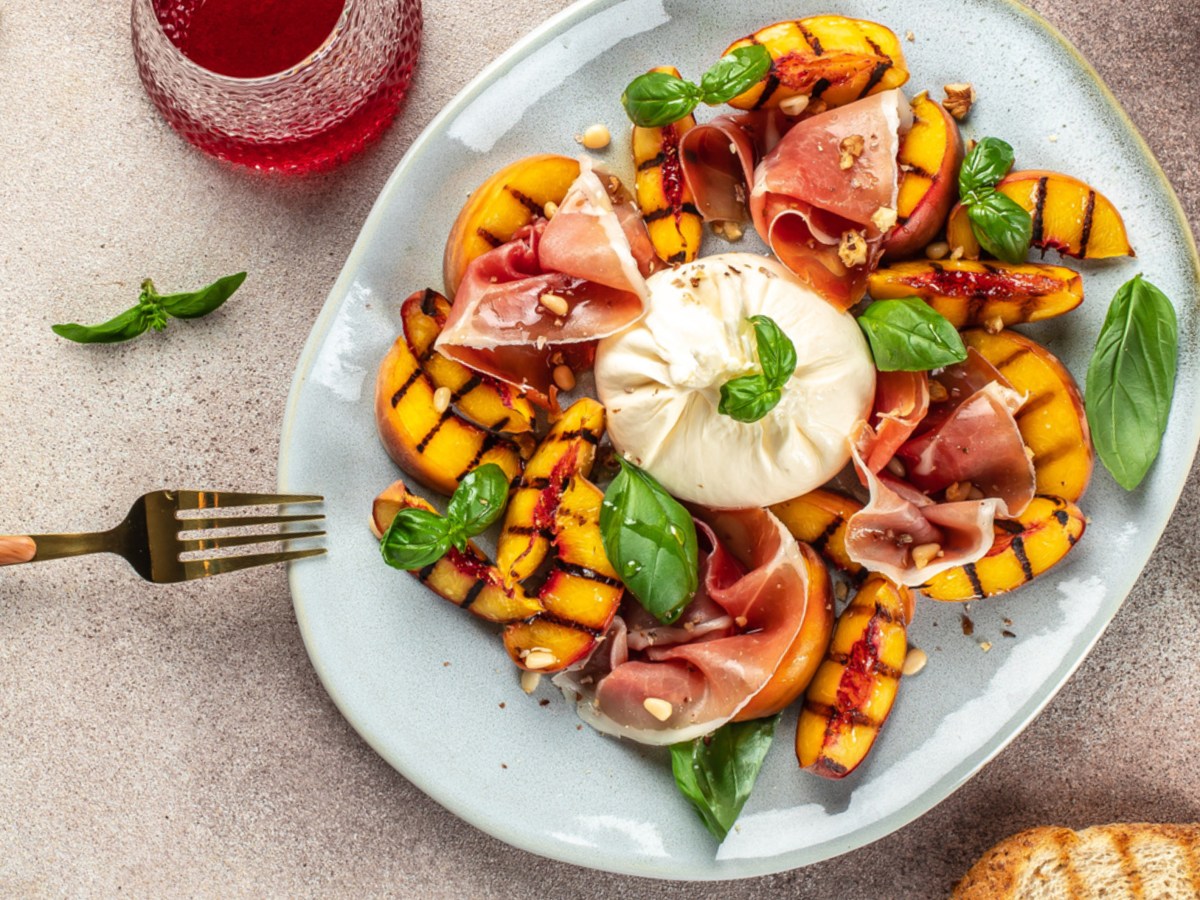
column 16, row 548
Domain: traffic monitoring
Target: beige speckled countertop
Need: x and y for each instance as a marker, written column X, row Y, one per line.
column 161, row 741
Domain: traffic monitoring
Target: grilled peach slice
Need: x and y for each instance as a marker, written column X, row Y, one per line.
column 855, row 687
column 486, row 401
column 466, row 578
column 1068, row 216
column 436, row 448
column 506, row 202
column 555, row 504
column 818, row 518
column 667, row 205
column 1052, row 419
column 567, row 452
column 930, row 156
column 800, row 662
column 1024, row 548
column 825, row 58
column 968, row 292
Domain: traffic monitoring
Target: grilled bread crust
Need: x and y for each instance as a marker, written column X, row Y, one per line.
column 1155, row 862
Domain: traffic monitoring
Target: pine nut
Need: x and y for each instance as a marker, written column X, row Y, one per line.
column 937, row 250
column 554, row 303
column 960, row 490
column 915, row 661
column 994, row 325
column 539, row 659
column 924, row 554
column 896, row 467
column 441, row 399
column 793, row 106
column 530, row 681
column 658, row 707
column 937, row 391
column 596, row 137
column 550, row 210
column 564, row 378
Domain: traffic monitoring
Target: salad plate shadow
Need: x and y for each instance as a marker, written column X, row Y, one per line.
column 435, row 694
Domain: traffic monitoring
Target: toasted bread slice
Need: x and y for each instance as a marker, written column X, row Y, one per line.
column 1155, row 862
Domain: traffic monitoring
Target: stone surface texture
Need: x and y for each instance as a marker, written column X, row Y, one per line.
column 175, row 741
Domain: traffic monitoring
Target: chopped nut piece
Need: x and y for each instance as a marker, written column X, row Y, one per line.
column 596, row 137
column 915, row 661
column 1029, row 454
column 922, row 554
column 564, row 378
column 851, row 148
column 994, row 325
column 853, row 249
column 959, row 97
column 884, row 218
column 441, row 399
column 793, row 106
column 960, row 490
column 658, row 707
column 937, row 250
column 909, row 36
column 554, row 303
column 539, row 659
column 550, row 210
column 937, row 391
column 530, row 681
column 985, row 646
column 741, row 621
column 540, row 342
column 731, row 231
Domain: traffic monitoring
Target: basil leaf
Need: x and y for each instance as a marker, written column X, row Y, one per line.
column 194, row 304
column 776, row 352
column 748, row 398
column 128, row 324
column 416, row 538
column 656, row 99
column 906, row 335
column 1131, row 380
column 734, row 73
column 650, row 539
column 1002, row 226
column 987, row 163
column 479, row 500
column 717, row 773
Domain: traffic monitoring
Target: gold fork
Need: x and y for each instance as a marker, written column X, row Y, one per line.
column 151, row 539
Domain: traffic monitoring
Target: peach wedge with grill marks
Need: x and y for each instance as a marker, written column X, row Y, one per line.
column 829, row 59
column 968, row 292
column 1068, row 216
column 930, row 156
column 855, row 687
column 818, row 518
column 1024, row 548
column 1052, row 420
column 437, row 447
column 667, row 205
column 512, row 198
column 466, row 578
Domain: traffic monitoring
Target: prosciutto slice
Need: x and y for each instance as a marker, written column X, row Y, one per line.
column 898, row 517
column 803, row 200
column 901, row 402
column 747, row 614
column 584, row 255
column 718, row 160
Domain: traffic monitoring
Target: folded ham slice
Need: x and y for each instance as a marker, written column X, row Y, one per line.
column 832, row 174
column 748, row 612
column 968, row 436
column 718, row 160
column 585, row 255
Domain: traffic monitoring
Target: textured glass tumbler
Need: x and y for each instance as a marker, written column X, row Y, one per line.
column 310, row 117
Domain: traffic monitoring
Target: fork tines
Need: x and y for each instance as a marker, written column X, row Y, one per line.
column 206, row 500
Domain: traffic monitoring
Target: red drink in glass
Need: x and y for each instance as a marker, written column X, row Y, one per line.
column 283, row 85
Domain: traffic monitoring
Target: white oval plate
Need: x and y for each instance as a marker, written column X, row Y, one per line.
column 431, row 689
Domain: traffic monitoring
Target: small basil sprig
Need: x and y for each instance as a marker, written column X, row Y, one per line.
column 419, row 538
column 750, row 397
column 907, row 335
column 152, row 311
column 650, row 539
column 659, row 98
column 717, row 773
column 1001, row 225
column 1131, row 379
